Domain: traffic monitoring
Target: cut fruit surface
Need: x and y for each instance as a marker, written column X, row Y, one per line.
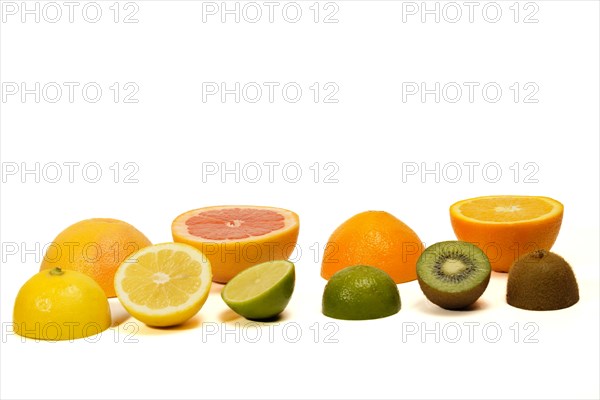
column 237, row 237
column 453, row 274
column 262, row 291
column 165, row 284
column 507, row 209
column 507, row 227
column 234, row 223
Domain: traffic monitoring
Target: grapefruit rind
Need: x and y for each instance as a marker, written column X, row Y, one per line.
column 230, row 257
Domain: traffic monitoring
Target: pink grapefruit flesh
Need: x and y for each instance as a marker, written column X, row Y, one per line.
column 234, row 238
column 234, row 223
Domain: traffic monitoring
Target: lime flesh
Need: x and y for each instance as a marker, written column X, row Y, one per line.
column 261, row 292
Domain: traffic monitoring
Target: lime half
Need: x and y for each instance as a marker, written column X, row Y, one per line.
column 262, row 291
column 360, row 292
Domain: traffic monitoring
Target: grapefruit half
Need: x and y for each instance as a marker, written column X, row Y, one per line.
column 234, row 238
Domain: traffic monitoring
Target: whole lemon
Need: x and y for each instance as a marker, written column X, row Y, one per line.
column 95, row 247
column 61, row 305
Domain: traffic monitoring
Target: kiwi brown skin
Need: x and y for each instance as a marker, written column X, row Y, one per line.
column 541, row 281
column 454, row 301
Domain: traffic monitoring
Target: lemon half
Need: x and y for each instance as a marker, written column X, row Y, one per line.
column 165, row 284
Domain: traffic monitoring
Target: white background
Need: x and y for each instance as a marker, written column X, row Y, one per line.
column 370, row 136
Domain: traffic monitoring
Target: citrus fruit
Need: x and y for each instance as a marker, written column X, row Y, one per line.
column 165, row 284
column 374, row 238
column 95, row 247
column 262, row 291
column 507, row 227
column 237, row 237
column 60, row 305
column 360, row 292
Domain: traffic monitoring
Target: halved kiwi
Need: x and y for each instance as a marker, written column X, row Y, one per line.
column 541, row 281
column 453, row 274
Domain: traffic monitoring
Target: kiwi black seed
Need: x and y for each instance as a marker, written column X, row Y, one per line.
column 453, row 274
column 541, row 281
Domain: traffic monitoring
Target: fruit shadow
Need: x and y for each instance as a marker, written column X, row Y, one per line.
column 191, row 323
column 216, row 287
column 231, row 317
column 117, row 312
column 120, row 316
column 428, row 307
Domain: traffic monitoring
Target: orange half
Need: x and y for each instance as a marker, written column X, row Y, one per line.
column 507, row 227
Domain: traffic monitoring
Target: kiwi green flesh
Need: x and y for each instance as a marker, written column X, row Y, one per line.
column 541, row 281
column 454, row 300
column 453, row 274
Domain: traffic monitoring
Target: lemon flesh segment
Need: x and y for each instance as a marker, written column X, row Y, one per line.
column 262, row 291
column 164, row 279
column 164, row 284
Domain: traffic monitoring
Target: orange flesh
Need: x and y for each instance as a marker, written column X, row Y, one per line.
column 509, row 209
column 234, row 223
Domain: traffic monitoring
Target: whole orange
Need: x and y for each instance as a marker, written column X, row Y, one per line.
column 95, row 247
column 507, row 227
column 374, row 238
